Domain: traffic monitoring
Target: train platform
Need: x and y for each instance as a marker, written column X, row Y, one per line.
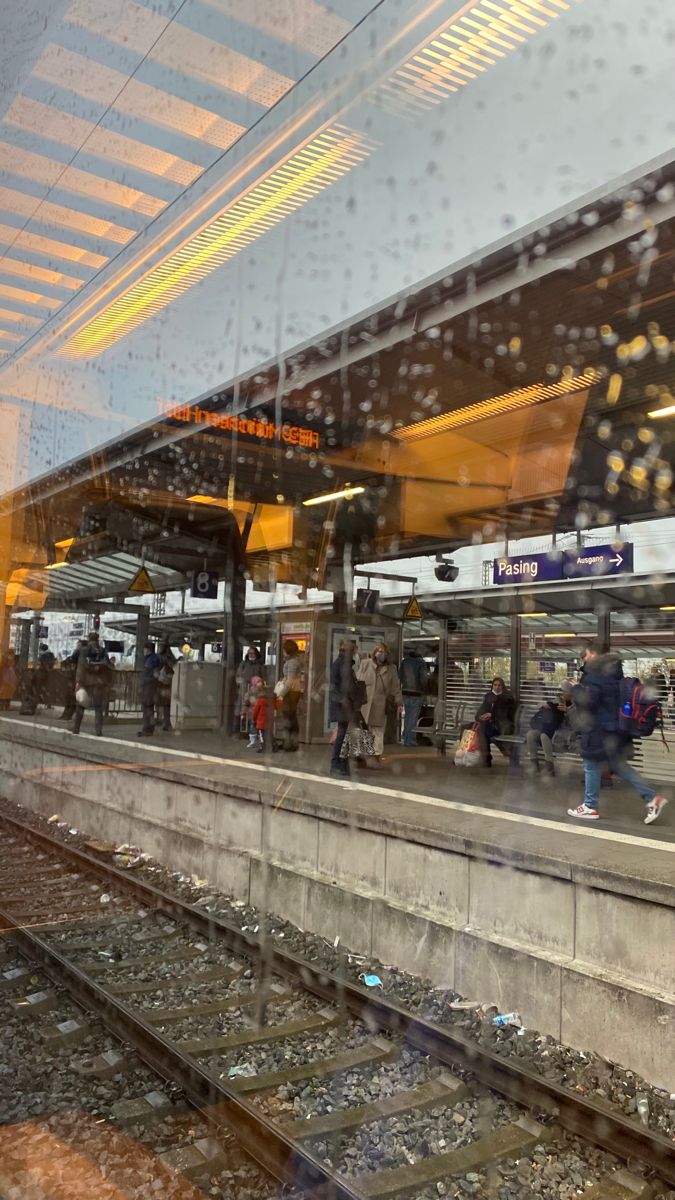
column 418, row 781
column 477, row 880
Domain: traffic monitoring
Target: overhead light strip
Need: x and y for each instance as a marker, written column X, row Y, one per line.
column 471, row 42
column 307, row 172
column 523, row 397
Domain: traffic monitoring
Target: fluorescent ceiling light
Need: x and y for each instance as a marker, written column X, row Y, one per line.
column 55, row 566
column 520, row 398
column 465, row 47
column 199, row 498
column 667, row 608
column 534, row 614
column 299, row 178
column 657, row 413
column 561, row 635
column 345, row 494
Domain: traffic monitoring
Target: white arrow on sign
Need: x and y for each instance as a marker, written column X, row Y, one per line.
column 617, row 561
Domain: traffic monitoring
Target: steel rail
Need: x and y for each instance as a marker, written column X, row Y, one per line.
column 586, row 1118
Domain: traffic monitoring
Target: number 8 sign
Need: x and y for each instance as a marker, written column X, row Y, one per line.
column 204, row 585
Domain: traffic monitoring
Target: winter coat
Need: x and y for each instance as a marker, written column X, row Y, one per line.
column 151, row 666
column 262, row 713
column 502, row 710
column 163, row 687
column 8, row 678
column 598, row 699
column 93, row 671
column 293, row 675
column 413, row 675
column 344, row 689
column 391, row 687
column 548, row 718
column 246, row 671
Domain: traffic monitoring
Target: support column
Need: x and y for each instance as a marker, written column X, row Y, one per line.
column 24, row 644
column 516, row 655
column 142, row 635
column 234, row 604
column 35, row 638
column 604, row 633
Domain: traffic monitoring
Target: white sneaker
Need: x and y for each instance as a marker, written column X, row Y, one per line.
column 251, row 742
column 655, row 808
column 584, row 813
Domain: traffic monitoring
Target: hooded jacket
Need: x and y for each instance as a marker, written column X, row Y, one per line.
column 598, row 699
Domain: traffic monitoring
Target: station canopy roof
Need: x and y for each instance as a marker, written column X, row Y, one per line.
column 500, row 401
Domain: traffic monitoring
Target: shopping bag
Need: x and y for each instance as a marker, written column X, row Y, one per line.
column 359, row 743
column 467, row 753
column 82, row 697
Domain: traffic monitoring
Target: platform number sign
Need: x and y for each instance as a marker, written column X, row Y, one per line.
column 204, row 585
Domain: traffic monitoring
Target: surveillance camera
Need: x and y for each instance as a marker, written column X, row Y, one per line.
column 446, row 572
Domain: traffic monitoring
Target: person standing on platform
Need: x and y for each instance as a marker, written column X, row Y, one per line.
column 8, row 679
column 344, row 698
column 262, row 718
column 165, row 675
column 289, row 690
column 250, row 667
column 414, row 679
column 496, row 718
column 69, row 668
column 93, row 677
column 383, row 692
column 597, row 698
column 152, row 665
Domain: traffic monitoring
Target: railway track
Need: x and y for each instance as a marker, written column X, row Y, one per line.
column 330, row 1089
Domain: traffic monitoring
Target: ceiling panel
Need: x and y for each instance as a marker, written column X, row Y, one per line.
column 120, row 108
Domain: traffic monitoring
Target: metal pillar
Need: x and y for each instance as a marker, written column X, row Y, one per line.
column 36, row 622
column 604, row 633
column 142, row 636
column 234, row 602
column 516, row 655
column 24, row 644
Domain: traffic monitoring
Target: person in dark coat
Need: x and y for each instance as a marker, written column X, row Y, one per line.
column 152, row 665
column 544, row 725
column 69, row 668
column 496, row 718
column 597, row 698
column 93, row 676
column 164, row 679
column 344, row 697
column 414, row 679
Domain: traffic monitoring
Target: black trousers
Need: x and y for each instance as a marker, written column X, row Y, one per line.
column 98, row 717
column 337, row 763
column 148, row 718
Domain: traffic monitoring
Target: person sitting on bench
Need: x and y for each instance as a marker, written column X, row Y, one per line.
column 496, row 719
column 544, row 725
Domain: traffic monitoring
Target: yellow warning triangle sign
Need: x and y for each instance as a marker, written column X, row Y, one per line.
column 413, row 612
column 141, row 582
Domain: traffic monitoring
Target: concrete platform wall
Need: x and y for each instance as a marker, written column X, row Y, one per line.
column 589, row 963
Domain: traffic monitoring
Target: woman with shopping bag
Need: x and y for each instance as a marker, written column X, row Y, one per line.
column 383, row 694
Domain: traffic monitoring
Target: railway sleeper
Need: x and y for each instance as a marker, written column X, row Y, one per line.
column 445, row 1090
column 511, row 1141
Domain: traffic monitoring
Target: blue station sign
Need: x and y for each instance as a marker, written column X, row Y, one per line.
column 586, row 562
column 590, row 561
column 528, row 568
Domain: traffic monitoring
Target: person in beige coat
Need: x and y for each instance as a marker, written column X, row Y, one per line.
column 383, row 690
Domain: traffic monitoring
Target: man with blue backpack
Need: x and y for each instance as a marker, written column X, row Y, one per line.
column 611, row 711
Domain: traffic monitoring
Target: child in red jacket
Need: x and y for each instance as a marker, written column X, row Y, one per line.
column 262, row 716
